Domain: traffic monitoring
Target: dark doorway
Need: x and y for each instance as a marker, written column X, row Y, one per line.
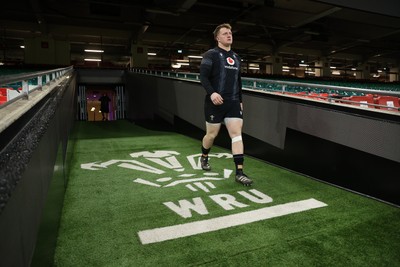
column 93, row 94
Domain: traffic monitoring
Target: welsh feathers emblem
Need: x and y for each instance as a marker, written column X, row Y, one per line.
column 160, row 163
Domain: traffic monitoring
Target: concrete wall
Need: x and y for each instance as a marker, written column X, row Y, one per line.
column 33, row 168
column 267, row 117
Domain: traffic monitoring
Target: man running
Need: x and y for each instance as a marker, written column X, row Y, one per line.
column 220, row 77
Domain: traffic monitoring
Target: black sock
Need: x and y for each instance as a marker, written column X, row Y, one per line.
column 238, row 159
column 205, row 151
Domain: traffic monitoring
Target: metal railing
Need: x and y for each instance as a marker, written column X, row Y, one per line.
column 23, row 91
column 19, row 86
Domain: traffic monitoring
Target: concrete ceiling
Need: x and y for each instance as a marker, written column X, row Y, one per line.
column 344, row 33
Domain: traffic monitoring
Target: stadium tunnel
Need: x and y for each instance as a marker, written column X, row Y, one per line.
column 353, row 148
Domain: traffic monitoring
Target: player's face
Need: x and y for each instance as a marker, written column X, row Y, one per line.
column 225, row 37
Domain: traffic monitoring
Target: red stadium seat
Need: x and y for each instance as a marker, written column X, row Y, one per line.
column 3, row 99
column 391, row 102
column 362, row 101
column 3, row 95
column 3, row 91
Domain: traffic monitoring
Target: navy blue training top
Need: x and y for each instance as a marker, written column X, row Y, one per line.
column 220, row 72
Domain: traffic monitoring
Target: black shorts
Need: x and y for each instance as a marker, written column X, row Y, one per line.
column 217, row 113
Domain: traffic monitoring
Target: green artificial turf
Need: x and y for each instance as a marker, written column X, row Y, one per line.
column 105, row 209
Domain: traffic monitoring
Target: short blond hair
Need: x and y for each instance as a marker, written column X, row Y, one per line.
column 219, row 27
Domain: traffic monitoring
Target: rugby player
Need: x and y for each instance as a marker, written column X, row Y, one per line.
column 220, row 76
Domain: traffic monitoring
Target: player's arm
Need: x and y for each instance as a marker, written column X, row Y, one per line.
column 205, row 73
column 240, row 90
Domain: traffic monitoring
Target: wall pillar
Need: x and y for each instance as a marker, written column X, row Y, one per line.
column 139, row 57
column 276, row 65
column 263, row 68
column 363, row 71
column 47, row 51
column 324, row 68
column 394, row 75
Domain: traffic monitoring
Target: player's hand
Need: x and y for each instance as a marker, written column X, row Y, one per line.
column 216, row 99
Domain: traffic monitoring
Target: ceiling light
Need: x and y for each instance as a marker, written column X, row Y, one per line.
column 195, row 56
column 93, row 59
column 22, row 46
column 94, row 51
column 152, row 54
column 144, row 28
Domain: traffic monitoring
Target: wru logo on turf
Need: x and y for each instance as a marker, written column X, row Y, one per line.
column 162, row 159
column 162, row 163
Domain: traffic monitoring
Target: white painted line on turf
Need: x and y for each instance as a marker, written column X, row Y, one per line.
column 193, row 228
